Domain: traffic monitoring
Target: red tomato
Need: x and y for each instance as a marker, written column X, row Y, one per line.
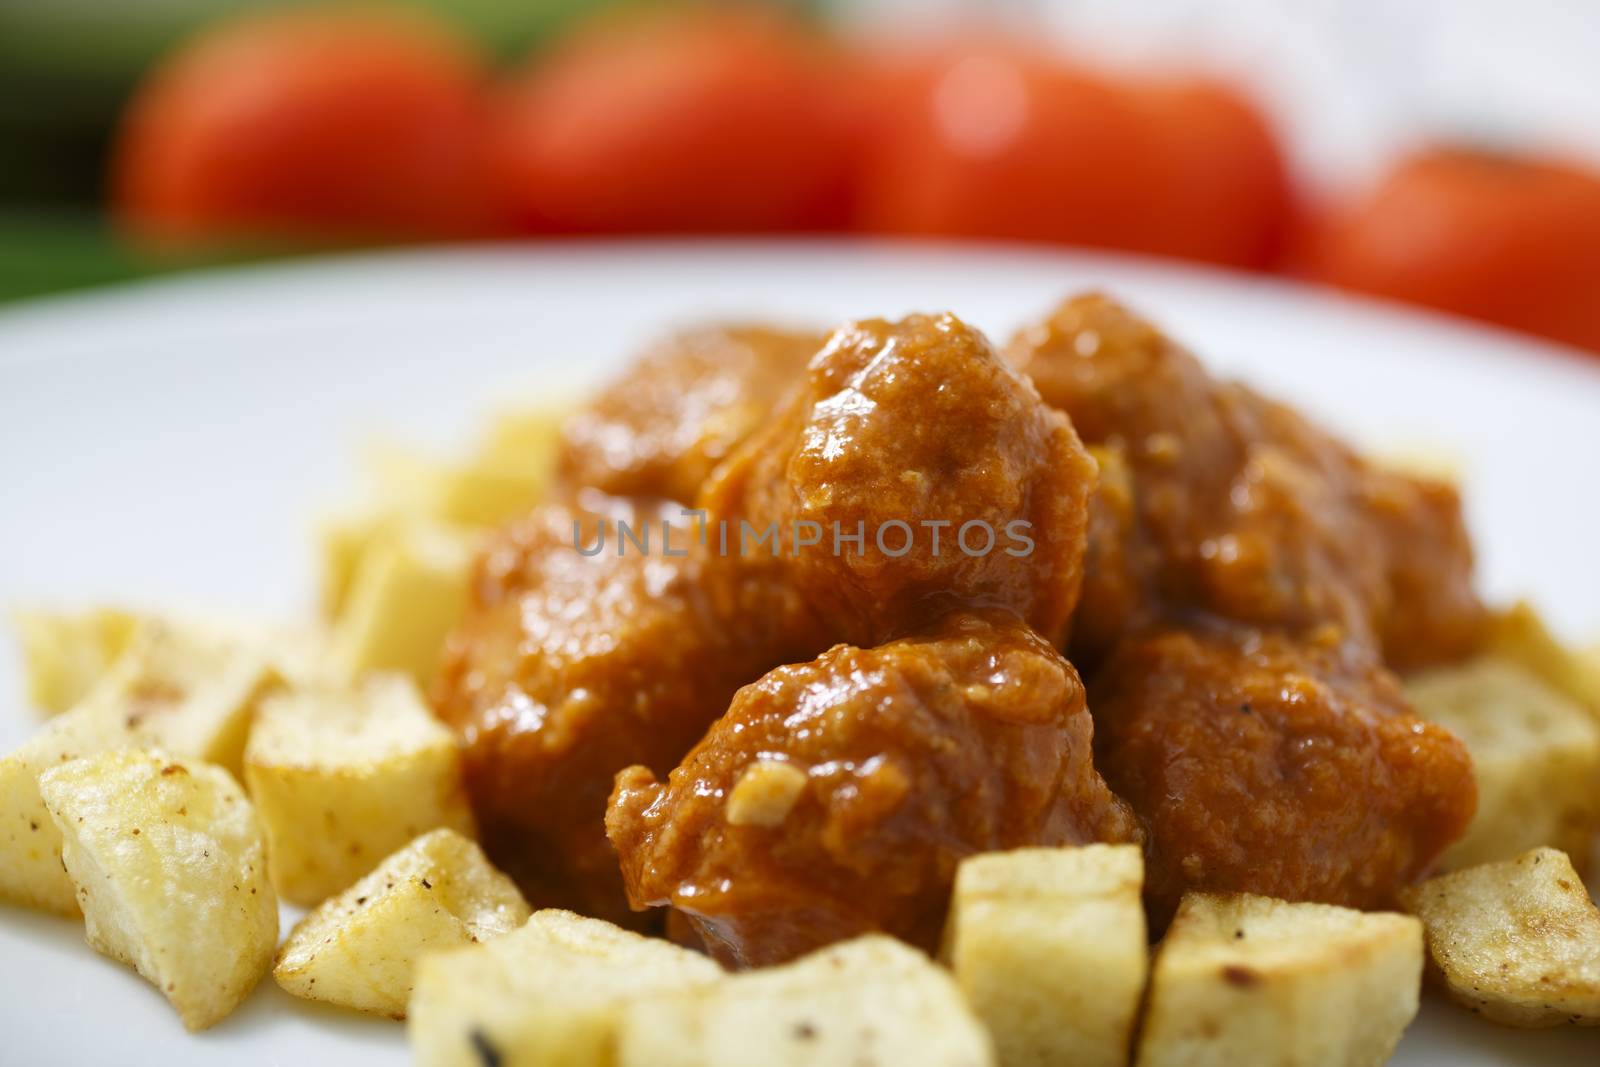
column 998, row 140
column 307, row 124
column 1506, row 240
column 699, row 120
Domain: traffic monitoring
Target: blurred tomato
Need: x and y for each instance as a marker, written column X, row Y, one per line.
column 710, row 119
column 994, row 139
column 1507, row 240
column 321, row 124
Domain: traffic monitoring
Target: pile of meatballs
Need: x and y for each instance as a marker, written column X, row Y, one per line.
column 760, row 752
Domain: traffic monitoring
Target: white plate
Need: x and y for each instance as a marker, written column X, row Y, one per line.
column 167, row 443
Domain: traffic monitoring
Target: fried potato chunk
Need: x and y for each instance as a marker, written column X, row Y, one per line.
column 909, row 757
column 360, row 949
column 1535, row 755
column 1236, row 505
column 169, row 867
column 343, row 776
column 546, row 995
column 405, row 597
column 870, row 1002
column 1264, row 764
column 1048, row 945
column 1246, row 979
column 177, row 689
column 913, row 473
column 508, row 472
column 65, row 653
column 1519, row 634
column 1517, row 942
column 681, row 408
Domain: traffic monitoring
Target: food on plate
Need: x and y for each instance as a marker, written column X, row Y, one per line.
column 344, row 775
column 178, row 688
column 1048, row 946
column 768, row 658
column 969, row 737
column 1246, row 979
column 870, row 1002
column 1535, row 756
column 662, row 426
column 707, row 118
column 1517, row 942
column 546, row 995
column 404, row 598
column 1513, row 240
column 169, row 869
column 360, row 949
column 1262, row 764
column 992, row 138
column 65, row 653
column 916, row 439
column 307, row 125
column 569, row 667
column 1233, row 505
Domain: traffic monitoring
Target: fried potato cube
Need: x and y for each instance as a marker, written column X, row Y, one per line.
column 1520, row 635
column 405, row 597
column 869, row 1002
column 65, row 653
column 177, row 689
column 170, row 870
column 1517, row 942
column 360, row 949
column 344, row 776
column 1535, row 754
column 547, row 995
column 1049, row 946
column 1247, row 979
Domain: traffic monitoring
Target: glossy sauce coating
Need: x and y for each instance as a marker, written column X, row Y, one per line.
column 1281, row 766
column 1249, row 581
column 894, row 763
column 569, row 668
column 904, row 433
column 1224, row 503
column 681, row 408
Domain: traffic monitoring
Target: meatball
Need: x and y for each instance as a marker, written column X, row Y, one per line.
column 568, row 668
column 914, row 473
column 1231, row 505
column 1264, row 764
column 838, row 796
column 661, row 427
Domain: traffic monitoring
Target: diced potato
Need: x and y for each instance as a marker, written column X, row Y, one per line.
column 1426, row 460
column 870, row 1002
column 547, row 995
column 360, row 949
column 507, row 474
column 343, row 776
column 176, row 689
column 170, row 870
column 406, row 596
column 1535, row 753
column 1246, row 979
column 1049, row 946
column 1517, row 942
column 343, row 541
column 528, row 438
column 1520, row 635
column 65, row 653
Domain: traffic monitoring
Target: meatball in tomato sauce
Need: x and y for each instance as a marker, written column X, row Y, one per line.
column 837, row 796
